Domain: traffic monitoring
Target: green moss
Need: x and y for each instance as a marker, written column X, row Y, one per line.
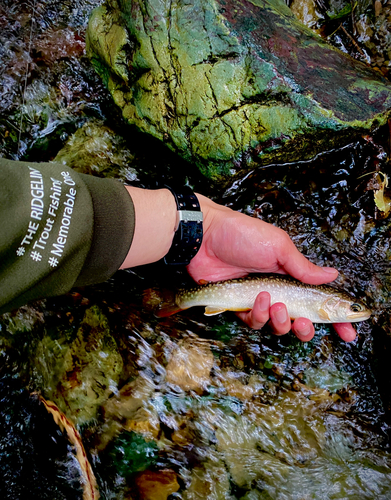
column 132, row 453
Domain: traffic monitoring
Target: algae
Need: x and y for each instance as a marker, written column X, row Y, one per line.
column 132, row 453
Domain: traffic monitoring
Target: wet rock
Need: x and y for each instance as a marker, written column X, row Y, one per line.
column 211, row 482
column 125, row 411
column 59, row 44
column 327, row 377
column 361, row 29
column 306, row 11
column 145, row 423
column 47, row 83
column 190, row 365
column 130, row 399
column 81, row 375
column 96, row 149
column 185, row 434
column 156, row 485
column 23, row 319
column 232, row 84
column 237, row 389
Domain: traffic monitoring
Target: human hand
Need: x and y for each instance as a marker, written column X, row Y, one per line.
column 235, row 245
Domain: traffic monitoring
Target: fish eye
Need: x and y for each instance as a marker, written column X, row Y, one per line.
column 356, row 307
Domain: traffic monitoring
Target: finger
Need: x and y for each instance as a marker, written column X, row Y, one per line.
column 259, row 314
column 345, row 331
column 303, row 329
column 279, row 320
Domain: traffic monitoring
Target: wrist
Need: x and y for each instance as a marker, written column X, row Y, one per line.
column 189, row 228
column 155, row 223
column 212, row 211
column 156, row 220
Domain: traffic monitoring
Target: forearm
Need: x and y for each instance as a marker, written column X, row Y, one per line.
column 156, row 221
column 61, row 229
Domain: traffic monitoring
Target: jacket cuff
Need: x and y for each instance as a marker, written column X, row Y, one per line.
column 113, row 229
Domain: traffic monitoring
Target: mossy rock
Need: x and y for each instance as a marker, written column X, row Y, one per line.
column 232, row 84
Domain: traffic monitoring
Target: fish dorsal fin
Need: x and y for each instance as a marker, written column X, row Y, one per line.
column 211, row 311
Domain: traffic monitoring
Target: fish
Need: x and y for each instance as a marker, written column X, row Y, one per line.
column 318, row 303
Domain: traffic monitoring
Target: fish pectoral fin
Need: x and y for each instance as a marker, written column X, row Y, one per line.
column 323, row 315
column 211, row 311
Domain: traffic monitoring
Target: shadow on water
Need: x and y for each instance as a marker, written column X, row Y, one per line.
column 191, row 407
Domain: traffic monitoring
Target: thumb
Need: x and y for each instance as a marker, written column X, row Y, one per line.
column 298, row 266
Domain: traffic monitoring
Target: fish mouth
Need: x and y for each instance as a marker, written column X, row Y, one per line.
column 359, row 316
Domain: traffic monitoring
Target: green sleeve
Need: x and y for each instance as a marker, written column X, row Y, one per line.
column 58, row 229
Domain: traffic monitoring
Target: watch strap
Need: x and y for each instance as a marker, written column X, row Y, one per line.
column 188, row 235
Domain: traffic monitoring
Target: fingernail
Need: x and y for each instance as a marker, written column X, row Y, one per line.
column 264, row 303
column 281, row 315
column 302, row 327
column 329, row 270
column 305, row 331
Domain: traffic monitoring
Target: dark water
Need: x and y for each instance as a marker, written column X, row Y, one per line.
column 188, row 407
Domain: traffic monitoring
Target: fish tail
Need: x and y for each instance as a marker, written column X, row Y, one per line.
column 161, row 302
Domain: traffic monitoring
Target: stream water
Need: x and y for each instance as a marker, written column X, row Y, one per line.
column 188, row 407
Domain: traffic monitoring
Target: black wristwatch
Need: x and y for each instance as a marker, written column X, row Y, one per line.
column 188, row 234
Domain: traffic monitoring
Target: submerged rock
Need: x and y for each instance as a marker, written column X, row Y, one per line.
column 81, row 375
column 212, row 481
column 189, row 366
column 287, row 450
column 230, row 84
column 157, row 485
